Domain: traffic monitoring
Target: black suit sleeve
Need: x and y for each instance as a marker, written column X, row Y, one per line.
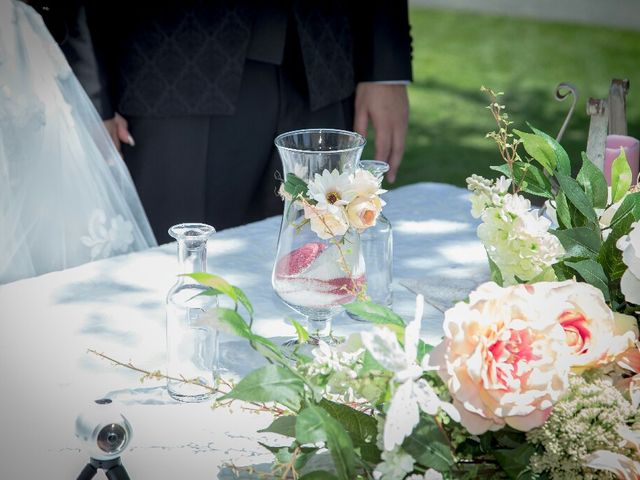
column 382, row 43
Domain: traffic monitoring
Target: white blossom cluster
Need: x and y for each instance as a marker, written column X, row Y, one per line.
column 335, row 369
column 587, row 419
column 516, row 238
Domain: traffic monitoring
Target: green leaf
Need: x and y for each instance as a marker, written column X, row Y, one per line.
column 516, row 461
column 315, row 425
column 362, row 428
column 318, row 475
column 295, row 186
column 232, row 322
column 428, row 445
column 539, row 150
column 270, row 383
column 620, row 177
column 496, row 274
column 301, row 332
column 593, row 273
column 577, row 197
column 628, row 209
column 563, row 163
column 285, row 425
column 374, row 313
column 528, row 178
column 592, row 180
column 581, row 242
column 563, row 214
column 214, row 281
column 610, row 255
column 244, row 300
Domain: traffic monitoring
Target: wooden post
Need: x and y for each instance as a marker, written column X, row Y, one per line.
column 597, row 110
column 617, row 106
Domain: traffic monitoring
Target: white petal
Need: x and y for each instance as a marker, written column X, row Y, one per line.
column 384, row 347
column 402, row 417
column 630, row 286
column 412, row 332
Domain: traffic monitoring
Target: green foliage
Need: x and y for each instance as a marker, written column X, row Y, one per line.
column 515, row 462
column 539, row 150
column 295, row 186
column 270, row 383
column 592, row 180
column 428, row 445
column 620, row 177
column 315, row 425
column 375, row 313
column 528, row 177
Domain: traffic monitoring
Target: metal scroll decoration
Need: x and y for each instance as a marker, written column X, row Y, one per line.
column 563, row 90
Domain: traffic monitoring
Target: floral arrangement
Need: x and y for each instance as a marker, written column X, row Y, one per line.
column 538, row 372
column 333, row 202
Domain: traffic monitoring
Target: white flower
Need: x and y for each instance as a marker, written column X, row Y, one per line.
column 365, row 184
column 395, row 465
column 630, row 246
column 486, row 192
column 623, row 466
column 430, row 474
column 326, row 223
column 413, row 393
column 331, row 190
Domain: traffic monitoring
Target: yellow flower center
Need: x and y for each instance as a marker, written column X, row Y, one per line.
column 332, row 197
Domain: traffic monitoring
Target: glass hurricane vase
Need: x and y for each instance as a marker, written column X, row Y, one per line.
column 315, row 276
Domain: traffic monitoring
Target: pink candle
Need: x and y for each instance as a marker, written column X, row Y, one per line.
column 631, row 149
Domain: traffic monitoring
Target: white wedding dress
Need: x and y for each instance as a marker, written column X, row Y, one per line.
column 66, row 196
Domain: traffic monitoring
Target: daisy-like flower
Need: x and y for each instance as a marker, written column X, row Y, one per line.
column 331, row 190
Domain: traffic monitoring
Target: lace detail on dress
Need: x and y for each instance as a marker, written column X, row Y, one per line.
column 104, row 241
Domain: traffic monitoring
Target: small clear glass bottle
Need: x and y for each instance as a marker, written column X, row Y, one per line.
column 377, row 248
column 192, row 350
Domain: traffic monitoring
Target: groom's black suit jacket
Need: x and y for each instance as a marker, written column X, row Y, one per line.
column 186, row 57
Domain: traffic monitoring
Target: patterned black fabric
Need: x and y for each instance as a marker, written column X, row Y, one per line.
column 325, row 34
column 186, row 57
column 175, row 58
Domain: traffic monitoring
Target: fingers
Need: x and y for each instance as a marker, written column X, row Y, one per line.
column 112, row 130
column 397, row 151
column 384, row 140
column 123, row 130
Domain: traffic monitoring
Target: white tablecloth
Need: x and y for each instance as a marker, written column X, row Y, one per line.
column 116, row 306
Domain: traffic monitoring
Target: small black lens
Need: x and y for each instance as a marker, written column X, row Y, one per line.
column 112, row 438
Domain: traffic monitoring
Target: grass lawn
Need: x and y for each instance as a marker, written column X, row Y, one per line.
column 456, row 53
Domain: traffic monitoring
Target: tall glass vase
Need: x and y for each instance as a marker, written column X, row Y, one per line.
column 192, row 350
column 315, row 276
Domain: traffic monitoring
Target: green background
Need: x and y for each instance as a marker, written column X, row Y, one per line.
column 455, row 53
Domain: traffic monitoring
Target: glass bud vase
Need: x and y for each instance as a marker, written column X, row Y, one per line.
column 313, row 274
column 192, row 350
column 376, row 243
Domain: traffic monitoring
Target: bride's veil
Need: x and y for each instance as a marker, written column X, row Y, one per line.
column 66, row 196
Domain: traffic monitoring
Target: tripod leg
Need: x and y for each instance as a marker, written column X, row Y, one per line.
column 88, row 472
column 117, row 473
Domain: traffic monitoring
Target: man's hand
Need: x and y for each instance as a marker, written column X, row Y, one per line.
column 387, row 106
column 119, row 131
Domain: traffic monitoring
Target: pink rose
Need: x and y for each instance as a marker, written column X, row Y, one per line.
column 595, row 334
column 504, row 358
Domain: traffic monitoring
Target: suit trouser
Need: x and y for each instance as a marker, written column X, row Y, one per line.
column 221, row 170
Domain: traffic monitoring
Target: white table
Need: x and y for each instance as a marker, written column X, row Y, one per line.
column 116, row 306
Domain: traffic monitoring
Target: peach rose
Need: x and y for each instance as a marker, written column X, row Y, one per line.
column 362, row 212
column 595, row 334
column 504, row 358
